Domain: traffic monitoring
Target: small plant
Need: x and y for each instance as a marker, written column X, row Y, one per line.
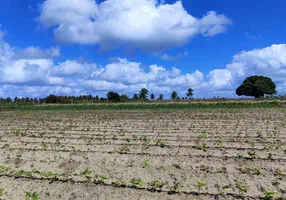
column 242, row 187
column 175, row 188
column 32, row 196
column 4, row 169
column 135, row 137
column 161, row 143
column 145, row 163
column 16, row 132
column 203, row 136
column 280, row 172
column 128, row 140
column 137, row 182
column 268, row 195
column 101, row 179
column 221, row 170
column 157, row 184
column 86, row 172
column 223, row 188
column 252, row 154
column 270, row 155
column 259, row 134
column 1, row 192
column 203, row 147
column 200, row 185
column 246, row 170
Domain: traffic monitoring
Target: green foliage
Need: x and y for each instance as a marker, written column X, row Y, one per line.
column 175, row 188
column 152, row 96
column 190, row 93
column 174, row 95
column 113, row 96
column 161, row 143
column 86, row 172
column 1, row 192
column 242, row 187
column 143, row 94
column 142, row 106
column 32, row 196
column 200, row 185
column 268, row 195
column 137, row 182
column 157, row 184
column 256, row 86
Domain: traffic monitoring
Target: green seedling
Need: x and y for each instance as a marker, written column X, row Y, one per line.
column 203, row 147
column 145, row 163
column 246, row 170
column 268, row 195
column 161, row 143
column 200, row 185
column 4, row 169
column 32, row 196
column 86, row 172
column 101, row 179
column 259, row 134
column 225, row 187
column 280, row 172
column 128, row 140
column 1, row 192
column 157, row 184
column 176, row 188
column 135, row 137
column 137, row 182
column 242, row 187
column 221, row 170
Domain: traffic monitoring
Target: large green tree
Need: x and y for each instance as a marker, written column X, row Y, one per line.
column 256, row 86
column 113, row 96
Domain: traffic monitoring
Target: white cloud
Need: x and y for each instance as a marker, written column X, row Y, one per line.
column 41, row 76
column 37, row 53
column 147, row 24
column 168, row 57
column 269, row 61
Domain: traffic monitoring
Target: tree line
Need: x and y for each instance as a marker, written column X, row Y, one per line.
column 142, row 95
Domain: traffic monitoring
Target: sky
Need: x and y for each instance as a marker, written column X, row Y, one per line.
column 79, row 47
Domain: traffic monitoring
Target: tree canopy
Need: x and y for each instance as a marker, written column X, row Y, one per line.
column 174, row 95
column 113, row 96
column 190, row 93
column 143, row 94
column 256, row 86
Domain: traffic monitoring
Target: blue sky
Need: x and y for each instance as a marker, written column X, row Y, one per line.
column 84, row 46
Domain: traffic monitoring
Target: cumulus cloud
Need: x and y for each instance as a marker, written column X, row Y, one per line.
column 37, row 77
column 269, row 61
column 151, row 25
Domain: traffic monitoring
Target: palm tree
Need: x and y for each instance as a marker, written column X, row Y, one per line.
column 143, row 94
